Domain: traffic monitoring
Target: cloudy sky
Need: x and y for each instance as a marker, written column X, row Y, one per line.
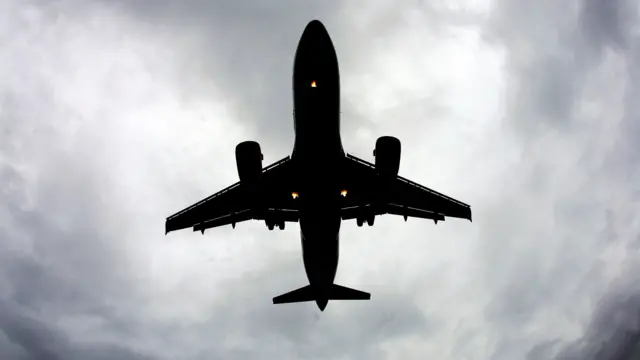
column 117, row 113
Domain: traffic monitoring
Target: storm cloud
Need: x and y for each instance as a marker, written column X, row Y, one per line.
column 115, row 114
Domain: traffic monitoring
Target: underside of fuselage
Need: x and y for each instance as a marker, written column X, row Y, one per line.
column 318, row 147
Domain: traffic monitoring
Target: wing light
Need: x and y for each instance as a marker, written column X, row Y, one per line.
column 343, row 193
column 313, row 83
column 294, row 195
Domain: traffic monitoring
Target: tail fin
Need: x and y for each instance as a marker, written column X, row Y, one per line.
column 306, row 293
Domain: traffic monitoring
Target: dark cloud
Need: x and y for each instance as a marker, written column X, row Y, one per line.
column 34, row 339
column 613, row 334
column 552, row 48
column 553, row 51
column 608, row 24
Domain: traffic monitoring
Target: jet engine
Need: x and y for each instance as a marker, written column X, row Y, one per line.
column 387, row 154
column 249, row 161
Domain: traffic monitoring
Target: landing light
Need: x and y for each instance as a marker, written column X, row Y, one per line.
column 294, row 195
column 313, row 83
column 343, row 193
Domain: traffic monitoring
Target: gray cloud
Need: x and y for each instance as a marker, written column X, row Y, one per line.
column 33, row 339
column 613, row 333
column 111, row 119
column 247, row 35
column 551, row 71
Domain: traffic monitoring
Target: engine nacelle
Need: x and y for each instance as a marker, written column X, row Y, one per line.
column 387, row 155
column 249, row 161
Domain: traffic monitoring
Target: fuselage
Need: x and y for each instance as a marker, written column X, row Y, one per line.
column 318, row 150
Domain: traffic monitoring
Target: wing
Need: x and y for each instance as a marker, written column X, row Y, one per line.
column 405, row 197
column 239, row 203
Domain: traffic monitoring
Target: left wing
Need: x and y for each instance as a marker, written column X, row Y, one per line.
column 271, row 200
column 402, row 197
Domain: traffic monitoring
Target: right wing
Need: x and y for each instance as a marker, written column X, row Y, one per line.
column 239, row 203
column 405, row 197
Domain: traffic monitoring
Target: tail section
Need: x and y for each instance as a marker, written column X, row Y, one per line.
column 307, row 293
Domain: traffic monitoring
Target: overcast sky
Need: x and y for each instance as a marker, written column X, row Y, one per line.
column 116, row 114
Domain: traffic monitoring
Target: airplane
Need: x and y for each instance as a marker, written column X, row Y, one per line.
column 319, row 185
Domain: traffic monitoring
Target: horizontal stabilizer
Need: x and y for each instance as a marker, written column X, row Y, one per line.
column 306, row 293
column 298, row 295
column 344, row 293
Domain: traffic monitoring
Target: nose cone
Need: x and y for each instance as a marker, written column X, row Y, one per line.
column 315, row 45
column 322, row 304
column 314, row 30
column 315, row 27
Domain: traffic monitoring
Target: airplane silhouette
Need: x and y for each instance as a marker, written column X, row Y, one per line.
column 319, row 185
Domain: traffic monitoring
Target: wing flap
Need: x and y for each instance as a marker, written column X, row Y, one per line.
column 244, row 215
column 228, row 199
column 394, row 209
column 230, row 219
column 407, row 211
